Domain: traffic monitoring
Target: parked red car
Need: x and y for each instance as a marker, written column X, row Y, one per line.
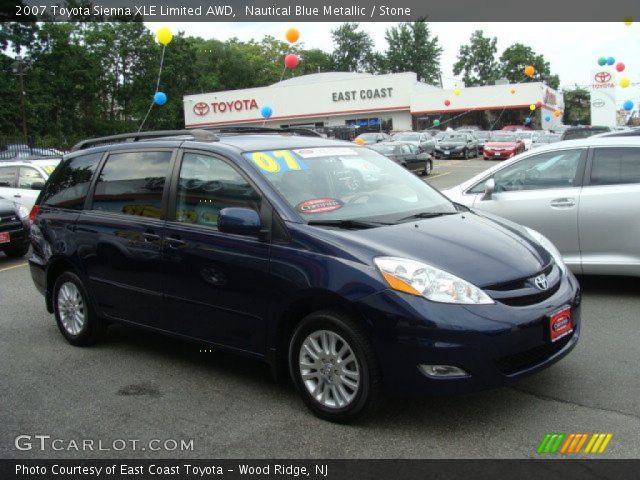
column 501, row 146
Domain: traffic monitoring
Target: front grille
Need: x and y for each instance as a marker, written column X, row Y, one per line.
column 10, row 222
column 523, row 292
column 530, row 358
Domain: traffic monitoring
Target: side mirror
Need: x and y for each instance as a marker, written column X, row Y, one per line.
column 37, row 185
column 489, row 188
column 240, row 221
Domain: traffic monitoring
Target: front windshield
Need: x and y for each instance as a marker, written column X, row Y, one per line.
column 455, row 137
column 384, row 149
column 368, row 136
column 482, row 135
column 346, row 183
column 503, row 138
column 406, row 137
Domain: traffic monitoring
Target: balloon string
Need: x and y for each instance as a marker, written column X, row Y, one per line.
column 157, row 87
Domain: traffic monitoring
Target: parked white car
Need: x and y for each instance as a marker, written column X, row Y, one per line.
column 22, row 180
column 584, row 195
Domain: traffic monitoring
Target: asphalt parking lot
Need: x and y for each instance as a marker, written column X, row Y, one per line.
column 138, row 385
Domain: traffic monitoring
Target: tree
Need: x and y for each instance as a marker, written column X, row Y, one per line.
column 515, row 58
column 353, row 51
column 412, row 49
column 577, row 106
column 477, row 60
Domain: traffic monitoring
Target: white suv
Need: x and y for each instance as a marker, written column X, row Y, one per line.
column 22, row 180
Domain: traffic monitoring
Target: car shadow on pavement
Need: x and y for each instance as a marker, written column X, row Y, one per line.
column 609, row 285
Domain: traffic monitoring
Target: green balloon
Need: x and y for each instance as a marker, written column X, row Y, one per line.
column 436, row 122
column 602, row 61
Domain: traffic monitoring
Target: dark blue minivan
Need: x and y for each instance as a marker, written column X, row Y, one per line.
column 325, row 259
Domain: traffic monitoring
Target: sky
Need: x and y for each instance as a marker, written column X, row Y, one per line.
column 571, row 48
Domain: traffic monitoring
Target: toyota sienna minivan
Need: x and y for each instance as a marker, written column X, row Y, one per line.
column 255, row 241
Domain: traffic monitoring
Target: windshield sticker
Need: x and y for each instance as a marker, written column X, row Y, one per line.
column 324, row 152
column 319, row 205
column 276, row 161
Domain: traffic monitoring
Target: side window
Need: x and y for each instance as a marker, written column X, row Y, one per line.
column 206, row 186
column 69, row 183
column 614, row 166
column 27, row 176
column 547, row 170
column 132, row 183
column 406, row 149
column 7, row 177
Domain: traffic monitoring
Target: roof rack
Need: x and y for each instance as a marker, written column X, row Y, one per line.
column 197, row 134
column 304, row 132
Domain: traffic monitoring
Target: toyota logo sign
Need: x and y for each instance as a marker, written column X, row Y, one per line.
column 602, row 77
column 598, row 103
column 201, row 108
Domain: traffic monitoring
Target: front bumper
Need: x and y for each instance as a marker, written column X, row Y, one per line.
column 496, row 344
column 18, row 231
column 498, row 155
column 440, row 153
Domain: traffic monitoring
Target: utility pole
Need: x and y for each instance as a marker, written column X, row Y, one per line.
column 18, row 70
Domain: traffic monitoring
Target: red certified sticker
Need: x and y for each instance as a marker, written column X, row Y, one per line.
column 5, row 237
column 319, row 205
column 560, row 324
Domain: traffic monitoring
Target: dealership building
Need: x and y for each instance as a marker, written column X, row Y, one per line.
column 389, row 102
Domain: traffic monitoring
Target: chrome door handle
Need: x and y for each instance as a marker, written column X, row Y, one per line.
column 17, row 195
column 563, row 203
column 175, row 242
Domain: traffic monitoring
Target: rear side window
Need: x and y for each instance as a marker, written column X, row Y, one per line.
column 132, row 183
column 29, row 176
column 614, row 166
column 7, row 176
column 69, row 183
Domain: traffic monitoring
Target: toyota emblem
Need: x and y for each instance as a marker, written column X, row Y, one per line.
column 602, row 77
column 201, row 108
column 541, row 282
column 598, row 103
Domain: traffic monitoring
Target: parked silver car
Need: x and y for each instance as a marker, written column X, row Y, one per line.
column 584, row 195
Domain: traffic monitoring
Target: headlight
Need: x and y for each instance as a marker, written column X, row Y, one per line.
column 548, row 246
column 420, row 279
column 22, row 212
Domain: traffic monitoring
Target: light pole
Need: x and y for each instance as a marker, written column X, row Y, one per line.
column 19, row 70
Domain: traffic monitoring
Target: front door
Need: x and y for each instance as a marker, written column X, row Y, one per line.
column 216, row 284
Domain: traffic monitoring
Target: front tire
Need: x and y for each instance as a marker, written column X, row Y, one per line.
column 334, row 368
column 76, row 319
column 428, row 168
column 466, row 154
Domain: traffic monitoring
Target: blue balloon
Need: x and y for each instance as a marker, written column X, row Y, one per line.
column 611, row 61
column 527, row 120
column 547, row 118
column 266, row 111
column 160, row 98
column 628, row 105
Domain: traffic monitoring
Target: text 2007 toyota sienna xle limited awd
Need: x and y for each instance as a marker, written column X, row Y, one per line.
column 263, row 243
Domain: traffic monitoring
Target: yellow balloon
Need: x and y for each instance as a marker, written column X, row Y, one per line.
column 292, row 35
column 628, row 21
column 557, row 113
column 625, row 82
column 457, row 91
column 513, row 91
column 532, row 107
column 359, row 141
column 164, row 36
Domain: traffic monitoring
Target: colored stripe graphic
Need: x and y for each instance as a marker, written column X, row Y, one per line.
column 573, row 443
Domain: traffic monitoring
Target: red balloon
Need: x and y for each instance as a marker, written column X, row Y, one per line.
column 620, row 66
column 291, row 60
column 447, row 102
column 538, row 104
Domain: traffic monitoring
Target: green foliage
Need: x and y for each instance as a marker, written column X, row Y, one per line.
column 515, row 58
column 412, row 49
column 353, row 50
column 577, row 106
column 477, row 61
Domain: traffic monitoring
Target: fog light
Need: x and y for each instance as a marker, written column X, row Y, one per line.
column 442, row 371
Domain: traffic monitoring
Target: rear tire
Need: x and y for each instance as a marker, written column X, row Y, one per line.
column 76, row 318
column 466, row 154
column 428, row 168
column 334, row 368
column 17, row 252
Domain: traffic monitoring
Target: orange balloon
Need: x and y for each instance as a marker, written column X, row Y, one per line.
column 557, row 113
column 529, row 70
column 359, row 141
column 513, row 91
column 292, row 35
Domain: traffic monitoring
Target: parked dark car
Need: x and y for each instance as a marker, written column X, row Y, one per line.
column 457, row 145
column 255, row 243
column 406, row 154
column 482, row 137
column 585, row 131
column 14, row 229
column 503, row 145
column 423, row 140
column 370, row 138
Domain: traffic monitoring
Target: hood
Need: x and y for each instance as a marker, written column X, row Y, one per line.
column 500, row 144
column 484, row 251
column 453, row 143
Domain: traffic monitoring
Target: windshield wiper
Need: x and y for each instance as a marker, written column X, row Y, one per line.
column 427, row 215
column 346, row 224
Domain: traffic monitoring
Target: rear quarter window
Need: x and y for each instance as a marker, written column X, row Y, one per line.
column 69, row 183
